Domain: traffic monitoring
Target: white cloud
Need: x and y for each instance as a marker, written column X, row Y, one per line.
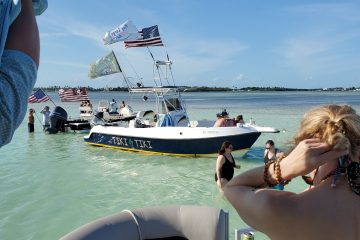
column 52, row 34
column 320, row 49
column 320, row 53
column 73, row 27
column 66, row 64
column 238, row 77
column 344, row 11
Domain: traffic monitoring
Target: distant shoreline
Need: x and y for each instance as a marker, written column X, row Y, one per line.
column 220, row 89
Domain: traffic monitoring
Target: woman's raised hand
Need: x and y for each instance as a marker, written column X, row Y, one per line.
column 308, row 155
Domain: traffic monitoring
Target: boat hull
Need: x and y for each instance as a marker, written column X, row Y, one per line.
column 174, row 141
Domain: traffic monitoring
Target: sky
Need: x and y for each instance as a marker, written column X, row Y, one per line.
column 230, row 43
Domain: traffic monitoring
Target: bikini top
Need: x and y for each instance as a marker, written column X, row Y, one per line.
column 352, row 173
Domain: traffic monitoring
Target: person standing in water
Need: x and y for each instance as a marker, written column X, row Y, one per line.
column 225, row 164
column 46, row 117
column 272, row 153
column 31, row 120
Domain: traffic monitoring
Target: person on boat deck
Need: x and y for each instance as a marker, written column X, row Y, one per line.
column 86, row 103
column 221, row 119
column 327, row 147
column 113, row 108
column 19, row 61
column 46, row 117
column 225, row 164
column 122, row 104
column 239, row 119
column 272, row 153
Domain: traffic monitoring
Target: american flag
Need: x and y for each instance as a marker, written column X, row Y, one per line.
column 73, row 95
column 149, row 37
column 38, row 97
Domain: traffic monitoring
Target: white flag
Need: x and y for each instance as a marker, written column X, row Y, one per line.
column 104, row 66
column 126, row 31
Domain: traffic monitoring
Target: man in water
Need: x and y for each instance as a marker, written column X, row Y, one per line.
column 46, row 117
column 31, row 121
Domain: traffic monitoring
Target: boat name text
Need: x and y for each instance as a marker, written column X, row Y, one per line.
column 137, row 143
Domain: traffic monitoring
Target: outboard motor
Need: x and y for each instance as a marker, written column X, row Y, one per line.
column 98, row 119
column 58, row 119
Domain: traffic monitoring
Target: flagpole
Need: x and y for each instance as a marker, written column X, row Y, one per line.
column 137, row 75
column 172, row 76
column 38, row 118
column 157, row 67
column 48, row 97
column 122, row 73
column 52, row 102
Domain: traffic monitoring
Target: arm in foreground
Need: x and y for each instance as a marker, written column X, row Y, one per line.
column 18, row 71
column 270, row 210
column 24, row 34
column 256, row 205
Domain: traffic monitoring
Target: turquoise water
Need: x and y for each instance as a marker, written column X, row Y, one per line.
column 51, row 184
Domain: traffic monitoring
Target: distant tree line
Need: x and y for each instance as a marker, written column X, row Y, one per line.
column 208, row 89
column 90, row 89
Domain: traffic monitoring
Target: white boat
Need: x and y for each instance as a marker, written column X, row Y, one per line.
column 166, row 129
column 103, row 115
column 86, row 112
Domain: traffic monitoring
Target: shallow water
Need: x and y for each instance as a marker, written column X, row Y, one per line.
column 51, row 184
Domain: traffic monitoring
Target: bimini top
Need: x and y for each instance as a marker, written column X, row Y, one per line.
column 162, row 89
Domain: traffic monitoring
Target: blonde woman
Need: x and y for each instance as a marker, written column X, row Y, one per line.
column 327, row 147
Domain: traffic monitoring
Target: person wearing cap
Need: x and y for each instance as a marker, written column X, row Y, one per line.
column 19, row 61
column 46, row 117
column 221, row 119
column 239, row 119
column 113, row 108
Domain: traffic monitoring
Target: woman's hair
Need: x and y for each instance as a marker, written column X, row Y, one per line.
column 271, row 142
column 337, row 125
column 239, row 117
column 225, row 145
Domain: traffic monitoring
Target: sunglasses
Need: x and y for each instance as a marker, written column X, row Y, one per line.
column 267, row 148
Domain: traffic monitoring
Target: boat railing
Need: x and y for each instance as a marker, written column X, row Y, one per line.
column 156, row 90
column 103, row 106
column 163, row 63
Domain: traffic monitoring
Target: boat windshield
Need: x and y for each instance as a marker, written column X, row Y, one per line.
column 171, row 104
